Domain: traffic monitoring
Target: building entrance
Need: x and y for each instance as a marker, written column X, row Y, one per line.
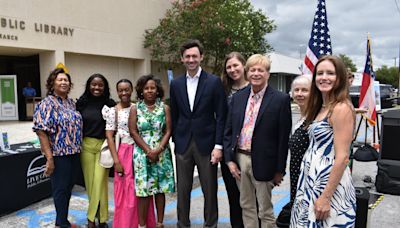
column 27, row 70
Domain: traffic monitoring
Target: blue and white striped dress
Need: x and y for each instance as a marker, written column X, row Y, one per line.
column 314, row 174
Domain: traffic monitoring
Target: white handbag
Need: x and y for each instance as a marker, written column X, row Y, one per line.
column 106, row 160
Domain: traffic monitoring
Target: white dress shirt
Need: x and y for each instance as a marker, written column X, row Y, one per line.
column 191, row 86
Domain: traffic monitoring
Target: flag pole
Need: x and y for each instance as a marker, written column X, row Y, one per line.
column 398, row 73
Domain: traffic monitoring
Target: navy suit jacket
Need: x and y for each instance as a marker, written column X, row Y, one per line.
column 206, row 122
column 269, row 144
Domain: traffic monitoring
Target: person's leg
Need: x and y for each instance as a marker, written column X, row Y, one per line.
column 74, row 166
column 247, row 192
column 100, row 188
column 61, row 189
column 160, row 205
column 235, row 211
column 209, row 187
column 265, row 207
column 87, row 158
column 184, row 174
column 143, row 209
column 96, row 179
column 125, row 205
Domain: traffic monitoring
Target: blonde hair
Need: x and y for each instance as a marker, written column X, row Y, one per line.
column 258, row 59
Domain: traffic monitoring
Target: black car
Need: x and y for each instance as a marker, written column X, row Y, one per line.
column 385, row 89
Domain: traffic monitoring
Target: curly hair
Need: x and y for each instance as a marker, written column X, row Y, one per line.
column 142, row 82
column 87, row 96
column 226, row 80
column 52, row 77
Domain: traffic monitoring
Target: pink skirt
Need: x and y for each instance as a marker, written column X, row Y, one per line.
column 126, row 213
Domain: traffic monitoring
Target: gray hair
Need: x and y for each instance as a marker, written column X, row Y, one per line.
column 305, row 78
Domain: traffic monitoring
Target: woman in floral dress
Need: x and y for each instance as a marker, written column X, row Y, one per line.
column 325, row 194
column 150, row 127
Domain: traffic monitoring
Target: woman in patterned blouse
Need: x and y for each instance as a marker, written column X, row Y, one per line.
column 59, row 128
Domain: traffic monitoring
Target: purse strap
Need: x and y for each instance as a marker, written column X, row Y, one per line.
column 116, row 119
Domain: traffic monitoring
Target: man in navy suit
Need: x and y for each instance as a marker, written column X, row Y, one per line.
column 256, row 142
column 198, row 111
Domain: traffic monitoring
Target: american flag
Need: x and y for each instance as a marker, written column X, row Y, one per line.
column 320, row 40
column 367, row 92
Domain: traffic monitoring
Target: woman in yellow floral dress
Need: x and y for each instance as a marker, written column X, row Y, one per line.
column 150, row 127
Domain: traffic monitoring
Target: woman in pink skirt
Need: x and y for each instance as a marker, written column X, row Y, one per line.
column 125, row 201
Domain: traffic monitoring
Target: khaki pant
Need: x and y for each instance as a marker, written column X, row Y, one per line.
column 251, row 192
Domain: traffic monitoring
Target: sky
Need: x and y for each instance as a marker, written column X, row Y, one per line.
column 349, row 23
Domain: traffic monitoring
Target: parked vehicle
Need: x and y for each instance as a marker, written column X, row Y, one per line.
column 385, row 92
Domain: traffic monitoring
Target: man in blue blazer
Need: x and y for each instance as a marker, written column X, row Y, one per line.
column 198, row 111
column 256, row 142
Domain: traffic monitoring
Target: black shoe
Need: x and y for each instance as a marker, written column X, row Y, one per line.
column 283, row 219
column 103, row 225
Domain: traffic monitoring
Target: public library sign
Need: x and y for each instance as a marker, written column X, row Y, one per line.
column 7, row 24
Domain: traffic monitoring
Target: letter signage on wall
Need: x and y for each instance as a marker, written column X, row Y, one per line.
column 8, row 26
column 8, row 97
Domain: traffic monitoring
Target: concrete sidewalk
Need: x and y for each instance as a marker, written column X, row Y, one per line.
column 42, row 214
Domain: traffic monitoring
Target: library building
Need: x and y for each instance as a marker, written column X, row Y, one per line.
column 86, row 37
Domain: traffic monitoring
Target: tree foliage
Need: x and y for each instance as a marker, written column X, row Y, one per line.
column 348, row 62
column 388, row 75
column 221, row 25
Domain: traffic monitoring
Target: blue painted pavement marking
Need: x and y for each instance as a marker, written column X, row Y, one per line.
column 79, row 216
column 198, row 193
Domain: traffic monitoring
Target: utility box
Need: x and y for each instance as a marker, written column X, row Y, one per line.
column 390, row 135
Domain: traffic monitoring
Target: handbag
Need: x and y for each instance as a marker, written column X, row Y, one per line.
column 366, row 153
column 106, row 160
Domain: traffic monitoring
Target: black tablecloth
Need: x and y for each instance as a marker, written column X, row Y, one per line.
column 22, row 179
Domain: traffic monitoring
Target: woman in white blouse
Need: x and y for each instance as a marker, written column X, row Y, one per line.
column 125, row 201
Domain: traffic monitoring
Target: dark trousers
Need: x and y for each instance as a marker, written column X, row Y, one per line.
column 208, row 180
column 235, row 211
column 62, row 182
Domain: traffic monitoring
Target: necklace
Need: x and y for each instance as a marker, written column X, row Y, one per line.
column 150, row 106
column 236, row 88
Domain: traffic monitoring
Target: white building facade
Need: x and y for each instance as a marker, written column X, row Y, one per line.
column 91, row 36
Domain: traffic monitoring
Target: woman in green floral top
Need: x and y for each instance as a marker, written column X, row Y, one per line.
column 150, row 127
